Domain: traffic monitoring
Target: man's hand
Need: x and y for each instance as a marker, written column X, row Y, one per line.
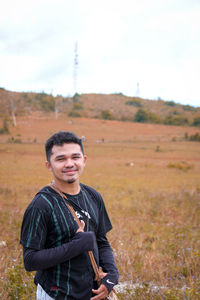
column 81, row 228
column 101, row 293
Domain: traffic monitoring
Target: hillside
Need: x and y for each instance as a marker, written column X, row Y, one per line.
column 110, row 107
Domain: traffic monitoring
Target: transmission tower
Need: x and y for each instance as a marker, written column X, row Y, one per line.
column 137, row 94
column 75, row 67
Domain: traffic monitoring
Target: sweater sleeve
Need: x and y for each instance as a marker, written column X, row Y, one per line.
column 107, row 262
column 47, row 258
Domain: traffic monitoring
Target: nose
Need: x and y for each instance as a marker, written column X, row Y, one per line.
column 69, row 163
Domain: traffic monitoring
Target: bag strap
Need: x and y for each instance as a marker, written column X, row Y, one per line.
column 90, row 253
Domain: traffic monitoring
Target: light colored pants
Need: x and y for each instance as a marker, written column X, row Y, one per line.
column 41, row 294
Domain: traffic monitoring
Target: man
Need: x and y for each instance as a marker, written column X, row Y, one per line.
column 53, row 243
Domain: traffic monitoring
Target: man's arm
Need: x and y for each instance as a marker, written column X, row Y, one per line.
column 107, row 262
column 47, row 258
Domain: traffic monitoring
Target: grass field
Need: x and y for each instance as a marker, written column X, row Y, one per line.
column 149, row 178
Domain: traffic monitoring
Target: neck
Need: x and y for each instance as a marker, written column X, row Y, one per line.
column 68, row 188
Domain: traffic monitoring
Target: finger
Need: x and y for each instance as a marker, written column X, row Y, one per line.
column 99, row 296
column 102, row 288
column 102, row 292
column 101, row 273
column 95, row 291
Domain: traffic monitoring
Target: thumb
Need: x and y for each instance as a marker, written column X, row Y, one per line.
column 82, row 226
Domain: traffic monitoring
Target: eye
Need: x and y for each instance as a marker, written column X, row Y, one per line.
column 76, row 157
column 60, row 159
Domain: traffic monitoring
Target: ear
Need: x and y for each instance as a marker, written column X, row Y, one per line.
column 48, row 165
column 85, row 159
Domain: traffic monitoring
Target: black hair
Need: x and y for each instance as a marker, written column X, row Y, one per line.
column 59, row 138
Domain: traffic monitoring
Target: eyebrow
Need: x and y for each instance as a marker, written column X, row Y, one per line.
column 63, row 155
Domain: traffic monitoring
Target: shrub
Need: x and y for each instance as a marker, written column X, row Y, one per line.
column 45, row 102
column 176, row 120
column 19, row 282
column 48, row 104
column 170, row 103
column 183, row 165
column 193, row 137
column 153, row 118
column 134, row 102
column 78, row 106
column 174, row 139
column 196, row 121
column 119, row 94
column 188, row 108
column 13, row 140
column 106, row 115
column 158, row 149
column 74, row 114
column 143, row 116
column 186, row 136
column 5, row 128
column 175, row 112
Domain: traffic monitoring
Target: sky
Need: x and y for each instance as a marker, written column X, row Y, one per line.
column 145, row 48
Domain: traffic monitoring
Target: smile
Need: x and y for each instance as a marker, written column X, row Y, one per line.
column 69, row 171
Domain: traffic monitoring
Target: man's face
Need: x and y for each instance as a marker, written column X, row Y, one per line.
column 66, row 163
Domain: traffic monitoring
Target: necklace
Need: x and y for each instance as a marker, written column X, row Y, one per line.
column 85, row 210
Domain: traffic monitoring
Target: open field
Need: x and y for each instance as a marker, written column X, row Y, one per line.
column 149, row 177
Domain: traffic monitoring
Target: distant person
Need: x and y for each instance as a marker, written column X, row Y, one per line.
column 53, row 243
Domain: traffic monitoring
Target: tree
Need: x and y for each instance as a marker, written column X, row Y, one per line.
column 76, row 97
column 196, row 121
column 141, row 116
column 13, row 109
column 58, row 104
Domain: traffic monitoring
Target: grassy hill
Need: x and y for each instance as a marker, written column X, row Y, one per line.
column 103, row 106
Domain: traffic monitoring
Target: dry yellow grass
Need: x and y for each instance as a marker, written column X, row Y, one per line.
column 154, row 208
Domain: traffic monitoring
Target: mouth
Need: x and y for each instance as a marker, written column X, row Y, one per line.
column 69, row 172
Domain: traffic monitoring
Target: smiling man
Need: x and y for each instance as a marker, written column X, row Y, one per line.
column 53, row 243
column 67, row 163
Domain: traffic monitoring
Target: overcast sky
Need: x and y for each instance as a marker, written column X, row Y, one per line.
column 149, row 48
